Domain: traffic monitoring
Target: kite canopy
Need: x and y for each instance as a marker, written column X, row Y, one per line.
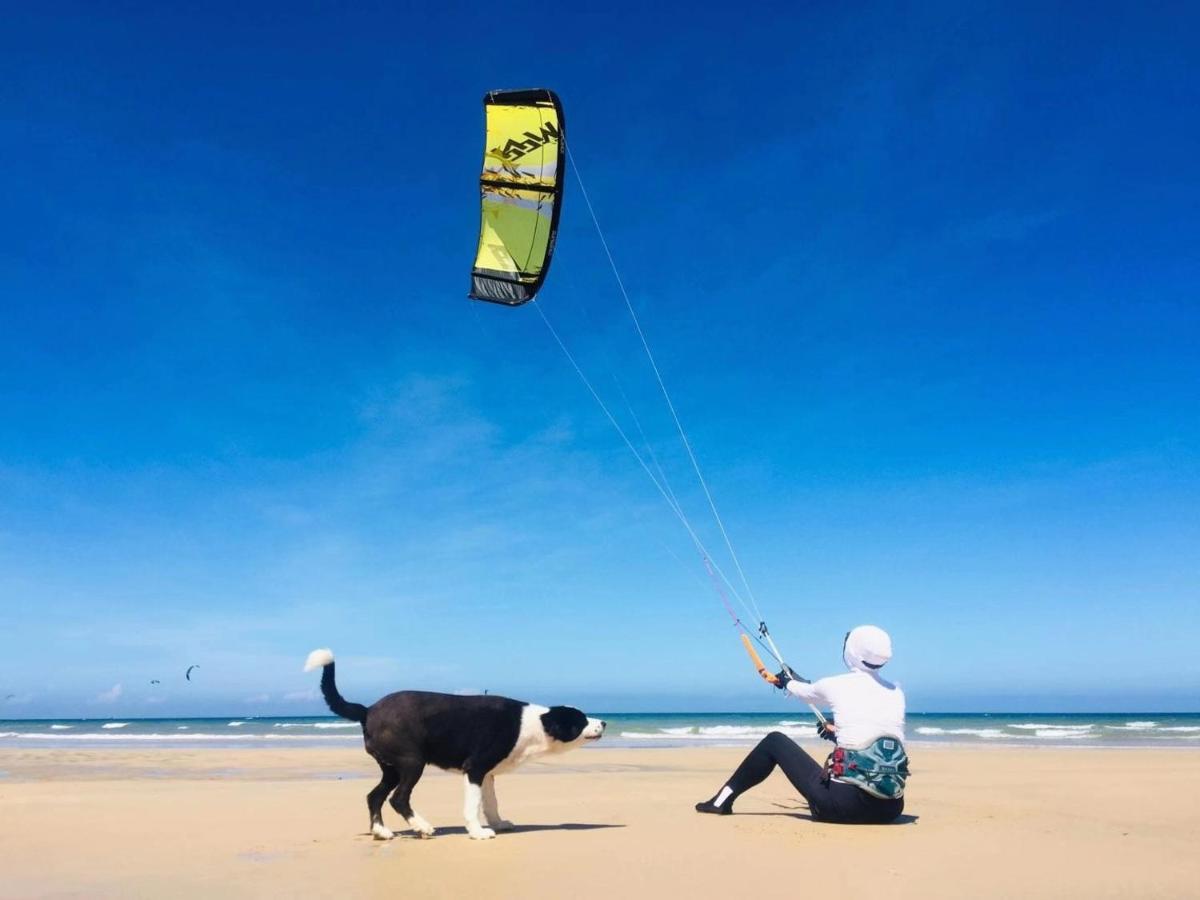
column 520, row 194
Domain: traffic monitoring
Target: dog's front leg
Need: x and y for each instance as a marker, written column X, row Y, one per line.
column 490, row 808
column 472, row 806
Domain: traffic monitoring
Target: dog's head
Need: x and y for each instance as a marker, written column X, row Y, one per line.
column 567, row 727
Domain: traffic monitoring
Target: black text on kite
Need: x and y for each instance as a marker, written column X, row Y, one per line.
column 520, row 191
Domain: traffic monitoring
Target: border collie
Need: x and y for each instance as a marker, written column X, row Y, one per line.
column 479, row 736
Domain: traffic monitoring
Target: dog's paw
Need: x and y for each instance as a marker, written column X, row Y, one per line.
column 502, row 825
column 480, row 834
column 421, row 827
column 382, row 832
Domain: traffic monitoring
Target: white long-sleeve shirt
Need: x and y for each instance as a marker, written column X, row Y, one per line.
column 864, row 706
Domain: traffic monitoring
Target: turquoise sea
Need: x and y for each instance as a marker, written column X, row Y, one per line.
column 1081, row 730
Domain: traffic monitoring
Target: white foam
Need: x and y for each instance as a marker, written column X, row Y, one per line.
column 235, row 724
column 653, row 736
column 719, row 733
column 337, row 725
column 1040, row 726
column 114, row 724
column 749, row 731
column 60, row 727
column 181, row 727
column 1059, row 734
column 1133, row 726
column 989, row 733
column 1186, row 728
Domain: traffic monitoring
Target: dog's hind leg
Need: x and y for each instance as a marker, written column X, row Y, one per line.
column 472, row 806
column 410, row 774
column 375, row 802
column 491, row 809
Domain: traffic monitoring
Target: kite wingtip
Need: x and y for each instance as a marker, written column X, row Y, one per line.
column 318, row 659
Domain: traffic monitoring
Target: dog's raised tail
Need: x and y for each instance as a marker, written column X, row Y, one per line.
column 323, row 659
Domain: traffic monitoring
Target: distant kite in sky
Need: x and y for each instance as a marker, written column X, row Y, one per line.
column 155, row 681
column 188, row 673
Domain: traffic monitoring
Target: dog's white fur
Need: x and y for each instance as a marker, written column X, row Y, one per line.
column 472, row 804
column 478, row 800
column 491, row 809
column 532, row 741
column 318, row 659
column 419, row 825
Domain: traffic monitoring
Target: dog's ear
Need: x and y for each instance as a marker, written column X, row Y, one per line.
column 564, row 723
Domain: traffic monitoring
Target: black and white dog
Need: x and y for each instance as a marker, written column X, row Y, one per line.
column 479, row 736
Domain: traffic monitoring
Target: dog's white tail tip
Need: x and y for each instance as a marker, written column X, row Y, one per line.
column 318, row 659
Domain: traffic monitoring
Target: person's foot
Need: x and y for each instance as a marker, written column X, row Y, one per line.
column 708, row 806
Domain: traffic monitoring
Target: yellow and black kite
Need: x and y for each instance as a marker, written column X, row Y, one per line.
column 520, row 191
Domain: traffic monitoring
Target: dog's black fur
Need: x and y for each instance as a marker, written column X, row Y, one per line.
column 407, row 730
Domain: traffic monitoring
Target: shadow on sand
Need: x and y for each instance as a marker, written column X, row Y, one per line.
column 519, row 829
column 806, row 816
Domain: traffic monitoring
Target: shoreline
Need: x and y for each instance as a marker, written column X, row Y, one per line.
column 282, row 744
column 628, row 730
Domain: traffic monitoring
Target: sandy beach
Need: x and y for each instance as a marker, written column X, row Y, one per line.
column 598, row 823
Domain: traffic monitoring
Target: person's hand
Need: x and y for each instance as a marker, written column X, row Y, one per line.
column 827, row 730
column 782, row 677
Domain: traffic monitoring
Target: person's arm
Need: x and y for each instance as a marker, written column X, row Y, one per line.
column 809, row 692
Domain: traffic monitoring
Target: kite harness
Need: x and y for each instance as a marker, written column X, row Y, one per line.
column 880, row 769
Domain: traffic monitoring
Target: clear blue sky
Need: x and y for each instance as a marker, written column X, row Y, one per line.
column 923, row 280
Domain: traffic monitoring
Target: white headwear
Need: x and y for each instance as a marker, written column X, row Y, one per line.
column 867, row 648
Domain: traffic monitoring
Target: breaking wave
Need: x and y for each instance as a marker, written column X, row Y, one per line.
column 721, row 732
column 989, row 733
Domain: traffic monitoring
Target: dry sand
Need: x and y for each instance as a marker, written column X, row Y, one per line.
column 984, row 822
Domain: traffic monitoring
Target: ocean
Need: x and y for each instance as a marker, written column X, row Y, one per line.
column 1080, row 730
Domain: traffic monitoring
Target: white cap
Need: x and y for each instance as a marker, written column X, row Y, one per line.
column 867, row 648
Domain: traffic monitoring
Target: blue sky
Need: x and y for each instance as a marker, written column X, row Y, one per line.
column 923, row 282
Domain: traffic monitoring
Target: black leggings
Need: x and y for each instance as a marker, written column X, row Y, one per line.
column 830, row 801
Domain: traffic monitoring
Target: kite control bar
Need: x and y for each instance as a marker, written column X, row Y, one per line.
column 765, row 673
column 758, row 663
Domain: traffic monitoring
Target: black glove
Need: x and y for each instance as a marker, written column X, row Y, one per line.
column 825, row 730
column 782, row 677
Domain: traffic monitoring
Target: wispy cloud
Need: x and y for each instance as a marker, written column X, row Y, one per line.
column 300, row 696
column 258, row 699
column 111, row 695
